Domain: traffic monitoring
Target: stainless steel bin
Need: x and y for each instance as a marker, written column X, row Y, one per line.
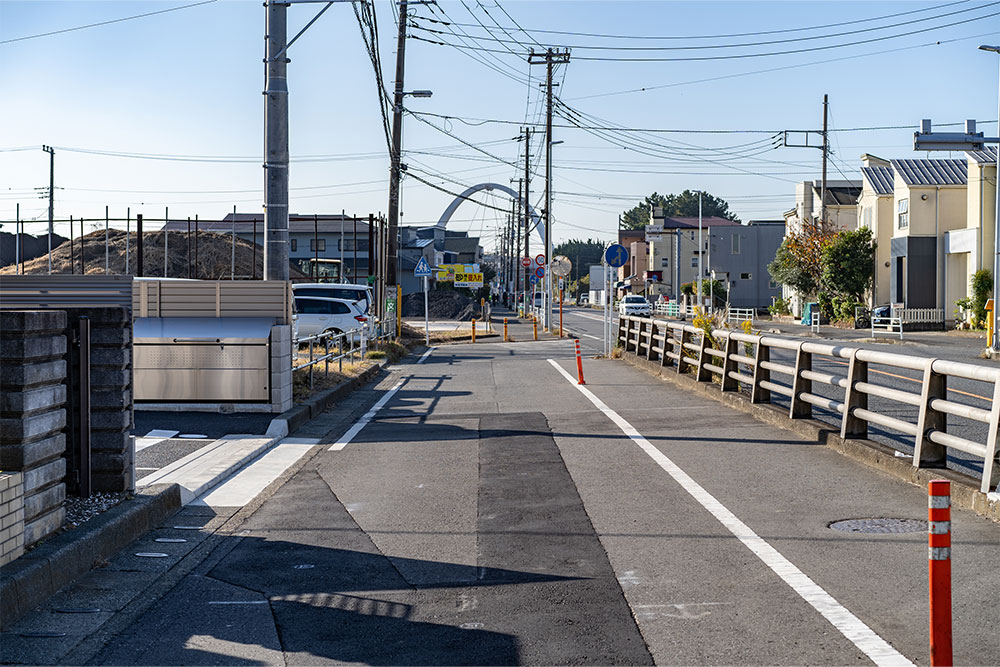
column 202, row 359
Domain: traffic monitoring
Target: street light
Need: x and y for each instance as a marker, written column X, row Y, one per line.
column 970, row 140
column 419, row 93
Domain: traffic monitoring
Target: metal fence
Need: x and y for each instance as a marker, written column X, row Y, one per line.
column 335, row 347
column 740, row 315
column 744, row 360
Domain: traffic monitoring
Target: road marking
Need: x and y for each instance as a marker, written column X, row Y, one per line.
column 587, row 316
column 154, row 437
column 424, row 356
column 854, row 629
column 230, row 602
column 247, row 483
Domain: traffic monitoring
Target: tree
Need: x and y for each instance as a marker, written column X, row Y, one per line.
column 582, row 254
column 848, row 264
column 683, row 205
column 799, row 260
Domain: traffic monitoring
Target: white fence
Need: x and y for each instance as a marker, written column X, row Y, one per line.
column 740, row 315
column 745, row 360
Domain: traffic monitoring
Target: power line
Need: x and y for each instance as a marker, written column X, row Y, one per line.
column 94, row 25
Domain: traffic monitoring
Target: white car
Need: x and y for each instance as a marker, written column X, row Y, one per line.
column 320, row 315
column 361, row 294
column 633, row 304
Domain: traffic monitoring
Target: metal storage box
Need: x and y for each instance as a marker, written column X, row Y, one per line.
column 202, row 359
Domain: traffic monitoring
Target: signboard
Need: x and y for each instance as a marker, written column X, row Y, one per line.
column 525, row 262
column 534, row 280
column 447, row 272
column 468, row 280
column 616, row 255
column 540, row 260
column 422, row 269
column 390, row 304
column 540, row 272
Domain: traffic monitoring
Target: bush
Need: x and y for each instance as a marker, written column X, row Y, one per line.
column 687, row 288
column 826, row 305
column 376, row 354
column 843, row 308
column 982, row 286
column 780, row 307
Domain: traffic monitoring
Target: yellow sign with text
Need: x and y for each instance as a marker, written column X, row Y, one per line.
column 468, row 280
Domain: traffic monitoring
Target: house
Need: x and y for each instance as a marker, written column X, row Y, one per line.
column 981, row 203
column 875, row 211
column 438, row 246
column 929, row 201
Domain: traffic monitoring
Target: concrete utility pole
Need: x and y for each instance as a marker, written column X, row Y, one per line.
column 276, row 144
column 701, row 250
column 397, row 144
column 52, row 189
column 527, row 207
column 826, row 152
column 550, row 58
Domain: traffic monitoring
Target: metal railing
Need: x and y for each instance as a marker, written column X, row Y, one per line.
column 892, row 325
column 740, row 315
column 744, row 360
column 339, row 346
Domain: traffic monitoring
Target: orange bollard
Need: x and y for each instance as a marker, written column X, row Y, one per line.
column 505, row 329
column 939, row 569
column 579, row 364
column 473, row 330
column 534, row 326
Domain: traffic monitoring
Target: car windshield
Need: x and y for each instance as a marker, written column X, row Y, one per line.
column 634, row 299
column 334, row 292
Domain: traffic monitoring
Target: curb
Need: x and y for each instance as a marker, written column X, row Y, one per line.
column 290, row 420
column 34, row 577
column 965, row 491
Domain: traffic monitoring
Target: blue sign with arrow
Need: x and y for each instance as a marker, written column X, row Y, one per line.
column 422, row 269
column 616, row 255
column 534, row 280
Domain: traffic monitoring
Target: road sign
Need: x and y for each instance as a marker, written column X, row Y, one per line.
column 540, row 272
column 540, row 260
column 616, row 255
column 534, row 280
column 525, row 262
column 468, row 280
column 561, row 266
column 422, row 269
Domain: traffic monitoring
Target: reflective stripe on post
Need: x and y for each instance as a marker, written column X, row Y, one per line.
column 505, row 329
column 939, row 569
column 473, row 330
column 579, row 364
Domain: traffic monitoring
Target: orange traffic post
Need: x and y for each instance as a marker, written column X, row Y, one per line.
column 939, row 570
column 505, row 329
column 534, row 327
column 473, row 330
column 579, row 364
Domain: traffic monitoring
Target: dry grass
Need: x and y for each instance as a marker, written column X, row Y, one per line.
column 325, row 375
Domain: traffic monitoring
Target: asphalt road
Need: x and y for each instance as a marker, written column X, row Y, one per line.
column 491, row 512
column 588, row 325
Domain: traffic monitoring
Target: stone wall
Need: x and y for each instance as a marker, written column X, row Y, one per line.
column 11, row 516
column 33, row 414
column 281, row 368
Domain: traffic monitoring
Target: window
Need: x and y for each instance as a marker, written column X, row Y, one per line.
column 866, row 217
column 361, row 243
column 745, row 276
column 294, row 244
column 903, row 210
column 692, row 236
column 313, row 248
column 312, row 306
column 736, row 244
column 694, row 262
column 773, row 284
column 664, row 263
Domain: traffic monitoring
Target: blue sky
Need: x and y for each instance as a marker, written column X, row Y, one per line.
column 188, row 83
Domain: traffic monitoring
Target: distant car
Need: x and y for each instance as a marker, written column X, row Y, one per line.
column 584, row 300
column 633, row 304
column 317, row 315
column 345, row 291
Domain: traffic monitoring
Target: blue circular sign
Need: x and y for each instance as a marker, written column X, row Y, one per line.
column 540, row 272
column 534, row 280
column 616, row 255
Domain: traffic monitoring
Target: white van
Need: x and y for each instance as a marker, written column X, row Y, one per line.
column 360, row 294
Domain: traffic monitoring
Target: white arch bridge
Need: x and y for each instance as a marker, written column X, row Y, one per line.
column 464, row 196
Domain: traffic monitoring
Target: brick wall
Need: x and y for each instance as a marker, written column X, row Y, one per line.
column 33, row 414
column 11, row 516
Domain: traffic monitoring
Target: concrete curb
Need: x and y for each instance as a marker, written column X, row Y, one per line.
column 34, row 577
column 965, row 491
column 296, row 416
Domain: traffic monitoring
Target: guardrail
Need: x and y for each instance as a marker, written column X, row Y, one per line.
column 740, row 315
column 689, row 348
column 339, row 346
column 888, row 325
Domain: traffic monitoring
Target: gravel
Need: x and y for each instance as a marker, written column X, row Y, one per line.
column 81, row 510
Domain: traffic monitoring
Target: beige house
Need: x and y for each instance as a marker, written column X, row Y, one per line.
column 931, row 249
column 875, row 211
column 981, row 204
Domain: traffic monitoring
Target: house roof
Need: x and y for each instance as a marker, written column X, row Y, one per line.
column 675, row 222
column 987, row 156
column 462, row 244
column 931, row 172
column 840, row 195
column 299, row 224
column 881, row 179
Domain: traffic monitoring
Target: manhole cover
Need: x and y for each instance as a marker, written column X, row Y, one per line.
column 880, row 525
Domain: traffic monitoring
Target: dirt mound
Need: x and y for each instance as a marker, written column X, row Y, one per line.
column 443, row 304
column 215, row 256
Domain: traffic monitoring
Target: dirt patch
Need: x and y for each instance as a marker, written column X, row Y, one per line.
column 442, row 304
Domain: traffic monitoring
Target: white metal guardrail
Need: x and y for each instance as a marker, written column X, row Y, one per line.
column 892, row 326
column 740, row 315
column 688, row 348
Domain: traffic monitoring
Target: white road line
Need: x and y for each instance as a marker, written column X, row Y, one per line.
column 154, row 437
column 587, row 316
column 246, row 484
column 368, row 416
column 871, row 644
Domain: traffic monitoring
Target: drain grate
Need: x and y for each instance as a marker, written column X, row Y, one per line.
column 882, row 525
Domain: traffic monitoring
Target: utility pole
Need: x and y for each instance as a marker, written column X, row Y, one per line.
column 397, row 144
column 826, row 151
column 527, row 208
column 550, row 58
column 52, row 183
column 517, row 245
column 276, row 144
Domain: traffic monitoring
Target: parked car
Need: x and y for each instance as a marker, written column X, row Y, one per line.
column 321, row 315
column 633, row 304
column 584, row 300
column 344, row 291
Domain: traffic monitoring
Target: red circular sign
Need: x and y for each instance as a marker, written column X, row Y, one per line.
column 525, row 262
column 540, row 260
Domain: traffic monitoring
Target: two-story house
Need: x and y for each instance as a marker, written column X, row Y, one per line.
column 875, row 211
